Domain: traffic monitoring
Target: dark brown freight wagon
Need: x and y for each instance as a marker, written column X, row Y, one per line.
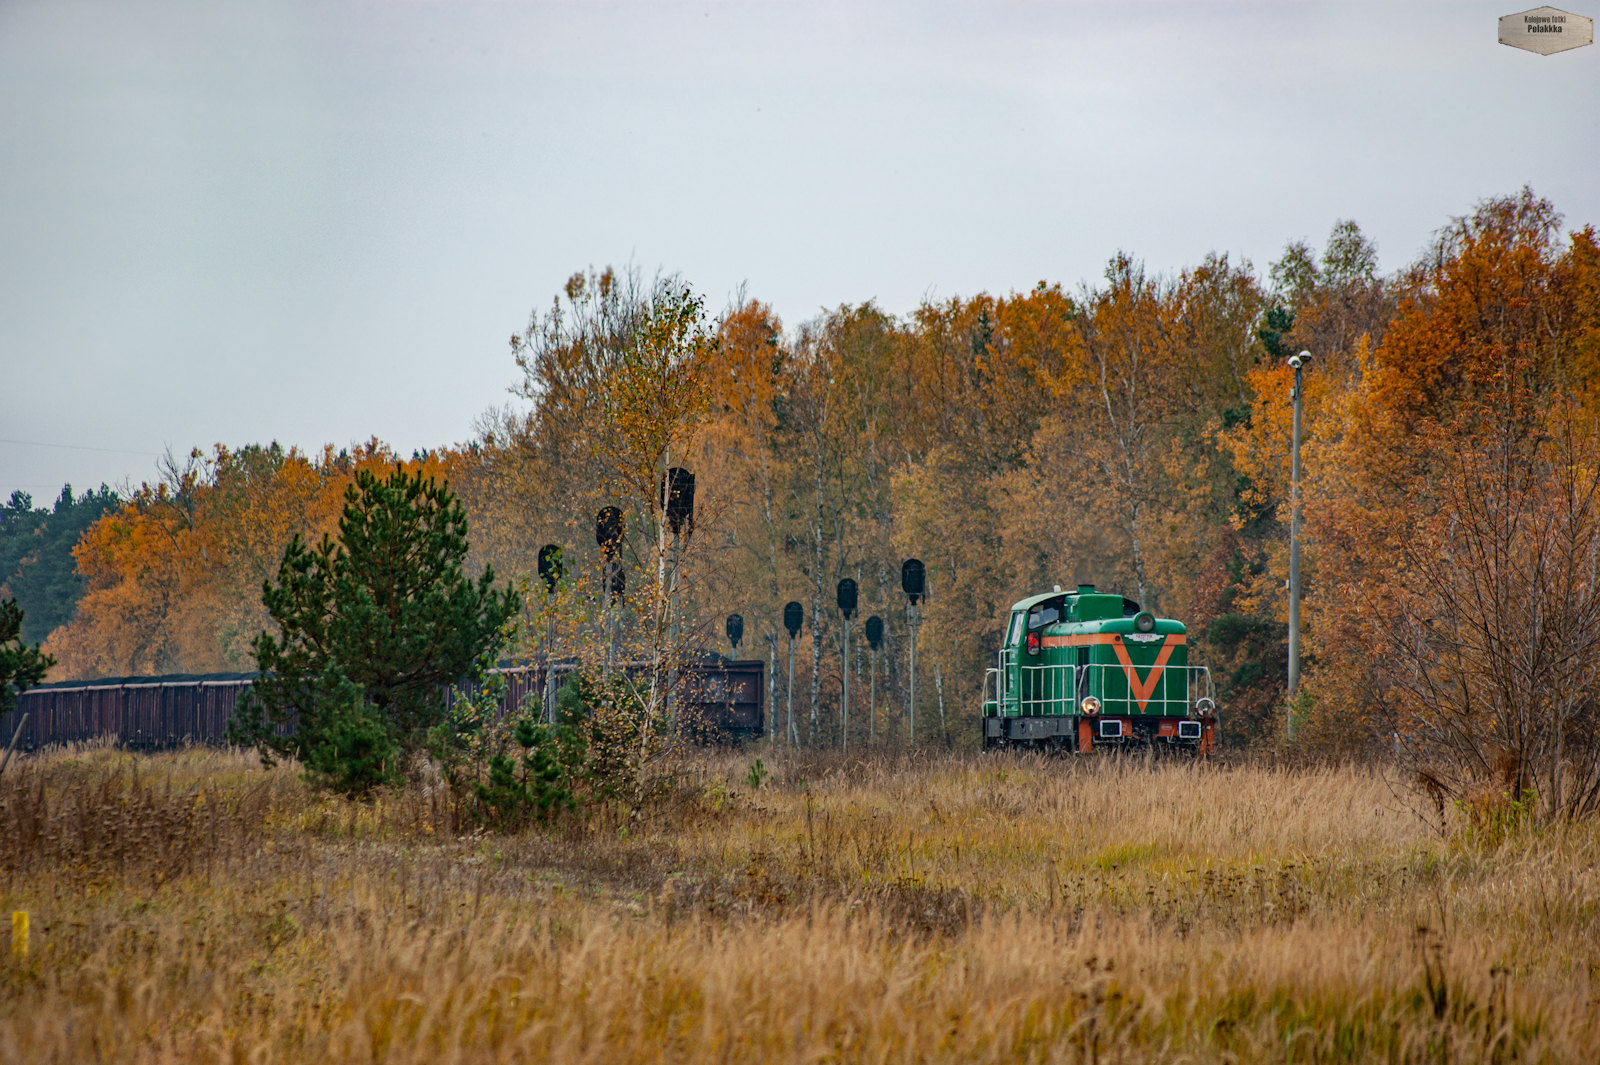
column 722, row 702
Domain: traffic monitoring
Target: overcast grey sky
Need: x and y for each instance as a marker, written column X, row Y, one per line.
column 317, row 222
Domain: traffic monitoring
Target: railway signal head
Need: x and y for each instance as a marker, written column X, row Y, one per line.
column 874, row 631
column 793, row 616
column 608, row 530
column 912, row 579
column 678, row 488
column 847, row 598
column 735, row 630
column 550, row 568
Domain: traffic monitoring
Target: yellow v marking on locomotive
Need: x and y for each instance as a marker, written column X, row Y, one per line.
column 1143, row 689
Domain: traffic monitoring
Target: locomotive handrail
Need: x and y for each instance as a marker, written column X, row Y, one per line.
column 1053, row 690
column 1002, row 694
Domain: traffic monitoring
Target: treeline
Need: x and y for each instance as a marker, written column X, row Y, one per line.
column 37, row 569
column 1132, row 434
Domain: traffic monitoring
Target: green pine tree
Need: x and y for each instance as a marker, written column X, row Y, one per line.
column 21, row 666
column 373, row 629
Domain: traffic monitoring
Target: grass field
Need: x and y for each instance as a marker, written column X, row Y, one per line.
column 192, row 907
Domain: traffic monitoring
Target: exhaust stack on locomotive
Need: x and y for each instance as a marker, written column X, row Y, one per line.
column 1080, row 671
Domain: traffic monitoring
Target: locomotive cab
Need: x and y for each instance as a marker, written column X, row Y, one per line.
column 1027, row 625
column 1086, row 670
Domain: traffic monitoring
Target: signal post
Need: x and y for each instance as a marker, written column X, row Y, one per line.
column 913, row 581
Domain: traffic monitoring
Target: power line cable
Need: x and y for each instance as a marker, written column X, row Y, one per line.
column 81, row 447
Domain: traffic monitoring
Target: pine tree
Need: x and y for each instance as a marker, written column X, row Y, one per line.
column 21, row 666
column 373, row 628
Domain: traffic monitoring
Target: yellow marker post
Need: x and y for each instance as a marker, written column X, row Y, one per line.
column 19, row 933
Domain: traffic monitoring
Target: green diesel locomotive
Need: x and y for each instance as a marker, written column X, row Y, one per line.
column 1083, row 671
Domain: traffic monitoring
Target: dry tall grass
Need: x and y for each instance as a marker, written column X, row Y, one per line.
column 191, row 907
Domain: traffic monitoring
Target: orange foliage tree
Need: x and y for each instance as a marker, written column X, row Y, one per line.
column 175, row 575
column 1433, row 462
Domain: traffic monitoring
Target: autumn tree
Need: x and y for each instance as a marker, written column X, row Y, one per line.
column 534, row 474
column 746, row 381
column 1490, row 627
column 1336, row 305
column 174, row 574
column 1327, row 303
column 150, row 571
column 1450, row 421
column 652, row 408
column 981, row 373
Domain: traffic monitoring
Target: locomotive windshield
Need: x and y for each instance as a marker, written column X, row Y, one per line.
column 1016, row 629
column 1046, row 613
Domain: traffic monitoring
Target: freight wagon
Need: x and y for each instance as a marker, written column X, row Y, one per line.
column 721, row 701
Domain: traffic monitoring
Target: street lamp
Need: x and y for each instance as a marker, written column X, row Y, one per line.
column 1298, row 363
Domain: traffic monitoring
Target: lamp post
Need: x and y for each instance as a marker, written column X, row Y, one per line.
column 874, row 629
column 912, row 582
column 793, row 615
column 1298, row 362
column 847, row 607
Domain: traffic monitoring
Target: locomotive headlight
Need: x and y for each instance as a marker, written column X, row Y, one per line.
column 1090, row 706
column 1144, row 621
column 1204, row 707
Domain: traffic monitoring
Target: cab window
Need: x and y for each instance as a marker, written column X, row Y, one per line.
column 1016, row 629
column 1046, row 613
